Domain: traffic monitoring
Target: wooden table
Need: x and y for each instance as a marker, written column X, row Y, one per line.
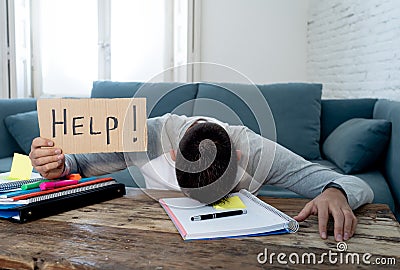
column 134, row 232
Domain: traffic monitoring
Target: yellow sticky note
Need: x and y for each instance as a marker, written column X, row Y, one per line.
column 233, row 202
column 21, row 168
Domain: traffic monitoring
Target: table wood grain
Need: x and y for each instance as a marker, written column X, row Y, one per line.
column 134, row 232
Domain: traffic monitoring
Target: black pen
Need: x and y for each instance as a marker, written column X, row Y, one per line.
column 219, row 215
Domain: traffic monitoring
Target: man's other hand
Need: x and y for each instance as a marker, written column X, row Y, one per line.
column 331, row 202
column 46, row 159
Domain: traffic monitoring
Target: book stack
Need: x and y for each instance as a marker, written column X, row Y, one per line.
column 22, row 205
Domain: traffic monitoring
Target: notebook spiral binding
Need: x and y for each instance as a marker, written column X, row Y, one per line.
column 292, row 224
column 69, row 191
column 17, row 184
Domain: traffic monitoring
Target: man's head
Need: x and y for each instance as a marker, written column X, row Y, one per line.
column 206, row 163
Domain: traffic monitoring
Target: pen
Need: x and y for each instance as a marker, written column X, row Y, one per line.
column 219, row 215
column 33, row 185
column 56, row 184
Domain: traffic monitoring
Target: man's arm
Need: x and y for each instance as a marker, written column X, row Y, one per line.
column 271, row 163
column 94, row 164
column 51, row 163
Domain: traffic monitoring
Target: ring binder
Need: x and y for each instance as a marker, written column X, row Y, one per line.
column 46, row 203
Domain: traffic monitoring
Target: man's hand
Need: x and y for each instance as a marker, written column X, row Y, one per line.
column 331, row 202
column 47, row 160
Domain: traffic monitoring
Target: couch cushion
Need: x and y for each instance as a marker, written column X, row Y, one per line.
column 8, row 146
column 5, row 164
column 161, row 98
column 295, row 107
column 232, row 103
column 109, row 89
column 357, row 144
column 24, row 127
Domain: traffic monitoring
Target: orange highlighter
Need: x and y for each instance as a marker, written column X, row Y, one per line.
column 74, row 176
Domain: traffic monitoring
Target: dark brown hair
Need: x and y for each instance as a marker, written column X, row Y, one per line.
column 206, row 163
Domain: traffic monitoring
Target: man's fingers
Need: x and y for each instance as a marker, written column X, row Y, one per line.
column 44, row 152
column 48, row 167
column 338, row 218
column 41, row 142
column 46, row 159
column 305, row 212
column 323, row 217
column 49, row 159
column 349, row 218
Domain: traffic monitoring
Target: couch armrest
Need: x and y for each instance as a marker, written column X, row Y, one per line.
column 390, row 110
column 8, row 145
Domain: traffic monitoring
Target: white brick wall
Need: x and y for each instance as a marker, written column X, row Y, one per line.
column 354, row 48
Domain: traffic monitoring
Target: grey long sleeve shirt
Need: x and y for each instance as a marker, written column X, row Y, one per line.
column 262, row 161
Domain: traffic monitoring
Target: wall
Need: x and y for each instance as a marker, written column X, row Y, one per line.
column 354, row 48
column 263, row 39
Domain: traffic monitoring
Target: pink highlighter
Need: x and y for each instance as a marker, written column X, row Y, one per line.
column 57, row 184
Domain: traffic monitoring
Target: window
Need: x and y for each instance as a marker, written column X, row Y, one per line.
column 15, row 49
column 83, row 41
column 59, row 47
column 138, row 39
column 67, row 46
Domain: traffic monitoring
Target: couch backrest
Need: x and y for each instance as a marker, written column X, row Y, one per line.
column 337, row 111
column 8, row 146
column 390, row 110
column 161, row 98
column 295, row 107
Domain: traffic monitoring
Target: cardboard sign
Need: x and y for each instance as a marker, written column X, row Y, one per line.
column 91, row 125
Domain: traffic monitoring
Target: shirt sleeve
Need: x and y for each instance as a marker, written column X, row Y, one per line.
column 94, row 164
column 103, row 163
column 291, row 171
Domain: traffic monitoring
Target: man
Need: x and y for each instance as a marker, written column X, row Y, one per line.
column 206, row 159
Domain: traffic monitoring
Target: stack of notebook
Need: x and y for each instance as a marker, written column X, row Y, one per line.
column 21, row 205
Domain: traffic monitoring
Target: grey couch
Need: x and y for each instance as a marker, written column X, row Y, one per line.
column 303, row 123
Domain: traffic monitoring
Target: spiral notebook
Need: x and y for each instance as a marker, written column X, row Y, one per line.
column 7, row 184
column 259, row 218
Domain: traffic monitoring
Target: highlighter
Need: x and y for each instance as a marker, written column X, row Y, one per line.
column 57, row 184
column 33, row 185
column 74, row 176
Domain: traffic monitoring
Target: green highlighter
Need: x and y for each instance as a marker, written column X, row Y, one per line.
column 34, row 185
